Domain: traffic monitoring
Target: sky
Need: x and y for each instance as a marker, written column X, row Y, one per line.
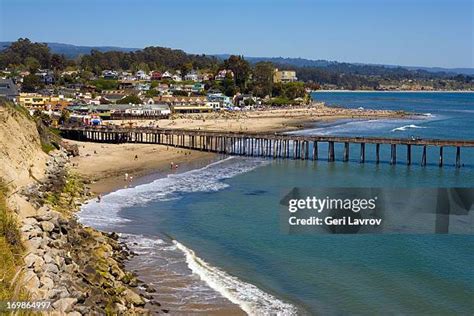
column 434, row 33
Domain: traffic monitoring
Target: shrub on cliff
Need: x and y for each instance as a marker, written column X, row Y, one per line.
column 11, row 250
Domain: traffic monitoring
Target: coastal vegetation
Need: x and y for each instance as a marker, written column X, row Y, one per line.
column 11, row 250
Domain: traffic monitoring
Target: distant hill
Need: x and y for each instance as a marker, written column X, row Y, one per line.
column 321, row 63
column 73, row 51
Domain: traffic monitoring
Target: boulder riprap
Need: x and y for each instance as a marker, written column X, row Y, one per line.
column 79, row 269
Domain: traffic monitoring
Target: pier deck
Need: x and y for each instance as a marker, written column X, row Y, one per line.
column 274, row 145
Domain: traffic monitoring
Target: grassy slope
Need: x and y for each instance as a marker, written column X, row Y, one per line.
column 11, row 251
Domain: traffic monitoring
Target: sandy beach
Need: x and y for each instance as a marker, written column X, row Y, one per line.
column 258, row 121
column 105, row 165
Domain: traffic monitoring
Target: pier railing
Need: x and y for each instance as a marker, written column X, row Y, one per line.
column 274, row 145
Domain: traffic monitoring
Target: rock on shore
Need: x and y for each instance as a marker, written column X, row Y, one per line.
column 79, row 269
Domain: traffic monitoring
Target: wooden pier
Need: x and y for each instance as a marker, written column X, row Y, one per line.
column 284, row 146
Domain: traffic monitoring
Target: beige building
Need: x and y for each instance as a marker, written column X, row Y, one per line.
column 284, row 76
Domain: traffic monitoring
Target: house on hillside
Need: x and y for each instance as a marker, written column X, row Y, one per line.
column 109, row 74
column 223, row 74
column 284, row 76
column 191, row 76
column 223, row 100
column 8, row 89
column 155, row 75
column 166, row 75
column 176, row 77
column 46, row 76
column 142, row 75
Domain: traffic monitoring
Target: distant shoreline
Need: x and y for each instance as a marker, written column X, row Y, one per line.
column 395, row 91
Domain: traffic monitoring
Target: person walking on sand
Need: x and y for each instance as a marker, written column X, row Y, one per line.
column 172, row 165
column 99, row 198
column 126, row 177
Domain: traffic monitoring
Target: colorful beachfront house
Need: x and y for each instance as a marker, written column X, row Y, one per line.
column 224, row 101
column 284, row 76
column 183, row 104
column 154, row 111
column 246, row 100
column 35, row 101
column 223, row 74
column 197, row 87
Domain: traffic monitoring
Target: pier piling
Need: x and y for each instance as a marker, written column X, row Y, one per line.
column 261, row 145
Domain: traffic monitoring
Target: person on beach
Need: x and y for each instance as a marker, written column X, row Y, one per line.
column 172, row 165
column 99, row 198
column 126, row 177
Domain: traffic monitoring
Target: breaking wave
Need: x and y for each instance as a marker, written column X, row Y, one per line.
column 250, row 298
column 207, row 179
column 405, row 127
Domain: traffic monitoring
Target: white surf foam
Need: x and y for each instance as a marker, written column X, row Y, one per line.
column 250, row 298
column 207, row 179
column 346, row 127
column 405, row 127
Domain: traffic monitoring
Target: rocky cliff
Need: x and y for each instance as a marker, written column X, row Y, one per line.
column 77, row 269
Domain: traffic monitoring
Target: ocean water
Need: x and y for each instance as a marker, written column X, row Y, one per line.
column 216, row 229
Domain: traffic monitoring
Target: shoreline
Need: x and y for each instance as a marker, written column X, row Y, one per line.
column 231, row 291
column 111, row 161
column 394, row 91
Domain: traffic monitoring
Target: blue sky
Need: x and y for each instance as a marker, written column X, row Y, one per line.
column 404, row 32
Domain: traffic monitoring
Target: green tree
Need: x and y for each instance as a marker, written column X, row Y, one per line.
column 31, row 83
column 130, row 99
column 23, row 48
column 105, row 84
column 241, row 69
column 64, row 118
column 152, row 93
column 32, row 64
column 228, row 87
column 58, row 62
column 263, row 79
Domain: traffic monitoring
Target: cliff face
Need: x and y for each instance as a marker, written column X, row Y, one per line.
column 78, row 269
column 21, row 156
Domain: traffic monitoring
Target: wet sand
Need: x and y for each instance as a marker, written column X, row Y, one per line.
column 105, row 165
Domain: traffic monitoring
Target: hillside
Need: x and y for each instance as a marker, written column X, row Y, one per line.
column 21, row 156
column 74, row 51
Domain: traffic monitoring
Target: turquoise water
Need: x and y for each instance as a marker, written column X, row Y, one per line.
column 228, row 213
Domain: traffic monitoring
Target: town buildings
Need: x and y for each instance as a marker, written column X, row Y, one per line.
column 284, row 76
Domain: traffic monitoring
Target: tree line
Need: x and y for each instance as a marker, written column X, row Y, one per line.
column 255, row 78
